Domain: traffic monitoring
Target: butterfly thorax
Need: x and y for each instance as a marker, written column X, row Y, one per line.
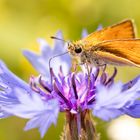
column 83, row 53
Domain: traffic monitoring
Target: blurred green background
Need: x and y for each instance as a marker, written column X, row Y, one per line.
column 22, row 22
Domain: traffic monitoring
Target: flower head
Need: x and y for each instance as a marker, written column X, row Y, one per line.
column 107, row 100
column 43, row 98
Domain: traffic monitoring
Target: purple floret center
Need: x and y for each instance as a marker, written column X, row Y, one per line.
column 74, row 90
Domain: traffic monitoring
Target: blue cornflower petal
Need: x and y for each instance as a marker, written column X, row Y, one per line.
column 107, row 114
column 130, row 83
column 8, row 80
column 37, row 62
column 31, row 106
column 115, row 101
column 84, row 33
column 44, row 119
column 44, row 47
column 133, row 110
column 18, row 99
column 41, row 61
column 58, row 45
column 100, row 27
column 4, row 114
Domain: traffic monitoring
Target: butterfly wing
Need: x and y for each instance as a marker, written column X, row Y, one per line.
column 122, row 30
column 120, row 52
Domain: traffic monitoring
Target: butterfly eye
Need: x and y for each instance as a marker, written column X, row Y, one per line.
column 78, row 50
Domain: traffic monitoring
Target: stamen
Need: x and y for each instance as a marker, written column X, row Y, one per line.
column 74, row 86
column 33, row 85
column 103, row 78
column 112, row 77
column 51, row 74
column 97, row 73
column 42, row 83
column 62, row 96
column 91, row 100
column 61, row 75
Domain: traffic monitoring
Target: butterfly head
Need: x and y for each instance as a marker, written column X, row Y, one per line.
column 75, row 49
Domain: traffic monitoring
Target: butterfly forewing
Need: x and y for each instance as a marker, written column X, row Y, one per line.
column 119, row 51
column 122, row 30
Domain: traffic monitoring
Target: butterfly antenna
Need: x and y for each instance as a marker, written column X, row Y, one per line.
column 51, row 60
column 55, row 57
column 53, row 37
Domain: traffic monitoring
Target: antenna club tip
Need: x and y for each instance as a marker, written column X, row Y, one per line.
column 52, row 37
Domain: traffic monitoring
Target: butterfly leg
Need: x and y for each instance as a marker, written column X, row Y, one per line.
column 75, row 66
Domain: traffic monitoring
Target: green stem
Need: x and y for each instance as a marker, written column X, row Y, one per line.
column 82, row 130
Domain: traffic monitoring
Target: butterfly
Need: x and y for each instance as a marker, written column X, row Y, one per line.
column 114, row 45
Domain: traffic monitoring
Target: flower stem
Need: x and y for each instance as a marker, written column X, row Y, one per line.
column 79, row 127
